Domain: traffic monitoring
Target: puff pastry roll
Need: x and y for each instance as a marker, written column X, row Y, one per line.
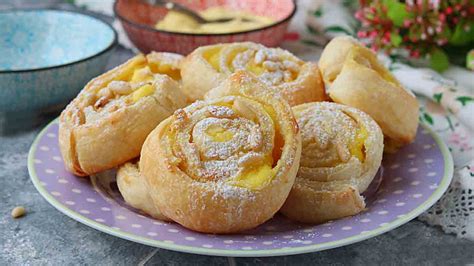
column 225, row 164
column 354, row 76
column 107, row 123
column 134, row 189
column 297, row 81
column 342, row 151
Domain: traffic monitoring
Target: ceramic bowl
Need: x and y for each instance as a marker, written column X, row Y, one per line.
column 138, row 20
column 47, row 56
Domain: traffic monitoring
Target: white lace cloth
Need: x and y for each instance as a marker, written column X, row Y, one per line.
column 454, row 212
column 450, row 115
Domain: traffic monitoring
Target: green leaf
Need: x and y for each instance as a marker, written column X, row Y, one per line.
column 438, row 97
column 450, row 123
column 400, row 59
column 396, row 39
column 470, row 25
column 460, row 35
column 465, row 99
column 457, row 54
column 318, row 13
column 310, row 42
column 446, row 33
column 397, row 12
column 439, row 61
column 428, row 118
column 349, row 3
column 338, row 29
column 470, row 60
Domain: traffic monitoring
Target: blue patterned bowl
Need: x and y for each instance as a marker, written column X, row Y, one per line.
column 47, row 56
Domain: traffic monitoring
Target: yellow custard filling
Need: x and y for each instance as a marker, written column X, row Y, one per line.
column 142, row 75
column 212, row 56
column 255, row 178
column 279, row 140
column 231, row 56
column 256, row 69
column 271, row 112
column 241, row 21
column 357, row 146
column 131, row 81
column 166, row 69
column 143, row 91
column 219, row 134
column 226, row 104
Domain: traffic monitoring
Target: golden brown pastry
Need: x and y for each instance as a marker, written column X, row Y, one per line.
column 342, row 151
column 107, row 123
column 297, row 81
column 225, row 164
column 134, row 189
column 354, row 77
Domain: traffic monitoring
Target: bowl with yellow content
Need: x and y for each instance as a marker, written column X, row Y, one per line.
column 155, row 28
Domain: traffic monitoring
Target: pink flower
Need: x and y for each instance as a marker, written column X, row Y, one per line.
column 460, row 140
column 361, row 34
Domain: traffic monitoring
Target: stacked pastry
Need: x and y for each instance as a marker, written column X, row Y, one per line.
column 211, row 142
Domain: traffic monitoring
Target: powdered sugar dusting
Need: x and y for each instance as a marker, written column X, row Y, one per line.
column 227, row 191
column 220, row 159
column 220, row 111
column 278, row 65
column 327, row 132
column 218, row 143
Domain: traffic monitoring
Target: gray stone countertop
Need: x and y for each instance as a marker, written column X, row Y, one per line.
column 47, row 237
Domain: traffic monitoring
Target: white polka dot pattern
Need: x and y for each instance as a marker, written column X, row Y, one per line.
column 410, row 177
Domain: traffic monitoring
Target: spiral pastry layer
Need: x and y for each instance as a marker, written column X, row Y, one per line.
column 297, row 81
column 342, row 151
column 107, row 123
column 134, row 189
column 225, row 164
column 354, row 76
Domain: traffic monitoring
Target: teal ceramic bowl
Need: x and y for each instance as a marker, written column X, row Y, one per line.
column 47, row 56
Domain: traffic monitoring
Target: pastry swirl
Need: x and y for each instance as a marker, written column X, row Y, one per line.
column 342, row 151
column 297, row 81
column 225, row 164
column 107, row 123
column 354, row 77
column 134, row 190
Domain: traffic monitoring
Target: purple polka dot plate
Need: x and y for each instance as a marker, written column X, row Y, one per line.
column 408, row 183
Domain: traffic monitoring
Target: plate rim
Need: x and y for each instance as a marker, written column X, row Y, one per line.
column 434, row 197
